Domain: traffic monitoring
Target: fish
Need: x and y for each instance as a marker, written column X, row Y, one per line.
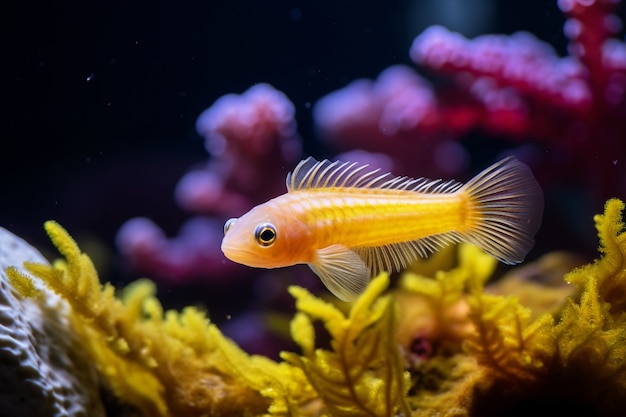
column 350, row 222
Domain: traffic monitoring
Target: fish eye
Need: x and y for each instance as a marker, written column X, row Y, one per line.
column 228, row 224
column 265, row 234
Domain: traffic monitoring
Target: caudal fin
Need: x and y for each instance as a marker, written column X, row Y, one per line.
column 506, row 207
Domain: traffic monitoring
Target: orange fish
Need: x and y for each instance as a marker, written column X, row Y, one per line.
column 349, row 222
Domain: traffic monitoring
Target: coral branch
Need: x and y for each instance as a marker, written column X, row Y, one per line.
column 513, row 87
column 363, row 375
column 253, row 141
column 163, row 364
column 573, row 106
column 487, row 354
column 398, row 115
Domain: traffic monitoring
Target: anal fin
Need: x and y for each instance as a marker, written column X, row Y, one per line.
column 397, row 256
column 342, row 271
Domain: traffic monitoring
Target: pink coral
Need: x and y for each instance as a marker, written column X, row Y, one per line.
column 516, row 87
column 388, row 115
column 574, row 107
column 191, row 255
column 253, row 142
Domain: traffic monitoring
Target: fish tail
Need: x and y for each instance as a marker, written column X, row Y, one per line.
column 505, row 210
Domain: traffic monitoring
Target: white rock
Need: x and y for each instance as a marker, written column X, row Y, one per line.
column 44, row 371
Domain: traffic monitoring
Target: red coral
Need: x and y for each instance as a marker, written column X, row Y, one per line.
column 515, row 87
column 574, row 107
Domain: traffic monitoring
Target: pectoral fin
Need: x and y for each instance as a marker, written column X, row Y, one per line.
column 342, row 271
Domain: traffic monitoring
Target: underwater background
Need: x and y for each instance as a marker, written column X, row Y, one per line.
column 102, row 102
column 102, row 128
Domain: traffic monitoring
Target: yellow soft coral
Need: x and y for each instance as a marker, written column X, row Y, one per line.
column 181, row 365
column 609, row 272
column 163, row 364
column 285, row 385
column 442, row 343
column 571, row 358
column 363, row 373
column 443, row 377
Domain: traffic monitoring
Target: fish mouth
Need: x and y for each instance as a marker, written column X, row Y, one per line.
column 240, row 255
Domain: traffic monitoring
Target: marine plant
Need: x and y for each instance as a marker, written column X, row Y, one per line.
column 161, row 363
column 442, row 342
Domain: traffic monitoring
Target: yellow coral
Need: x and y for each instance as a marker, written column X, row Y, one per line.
column 522, row 362
column 443, row 343
column 285, row 385
column 163, row 364
column 179, row 364
column 609, row 272
column 363, row 374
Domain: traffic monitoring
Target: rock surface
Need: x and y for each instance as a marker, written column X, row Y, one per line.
column 43, row 369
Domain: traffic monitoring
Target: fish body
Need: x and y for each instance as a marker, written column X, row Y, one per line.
column 349, row 222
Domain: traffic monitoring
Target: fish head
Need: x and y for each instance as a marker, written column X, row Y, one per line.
column 265, row 237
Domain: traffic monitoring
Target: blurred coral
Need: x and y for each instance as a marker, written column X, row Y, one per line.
column 181, row 259
column 398, row 115
column 440, row 344
column 516, row 87
column 564, row 116
column 253, row 141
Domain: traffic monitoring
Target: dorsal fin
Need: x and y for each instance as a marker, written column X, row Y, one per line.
column 311, row 174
